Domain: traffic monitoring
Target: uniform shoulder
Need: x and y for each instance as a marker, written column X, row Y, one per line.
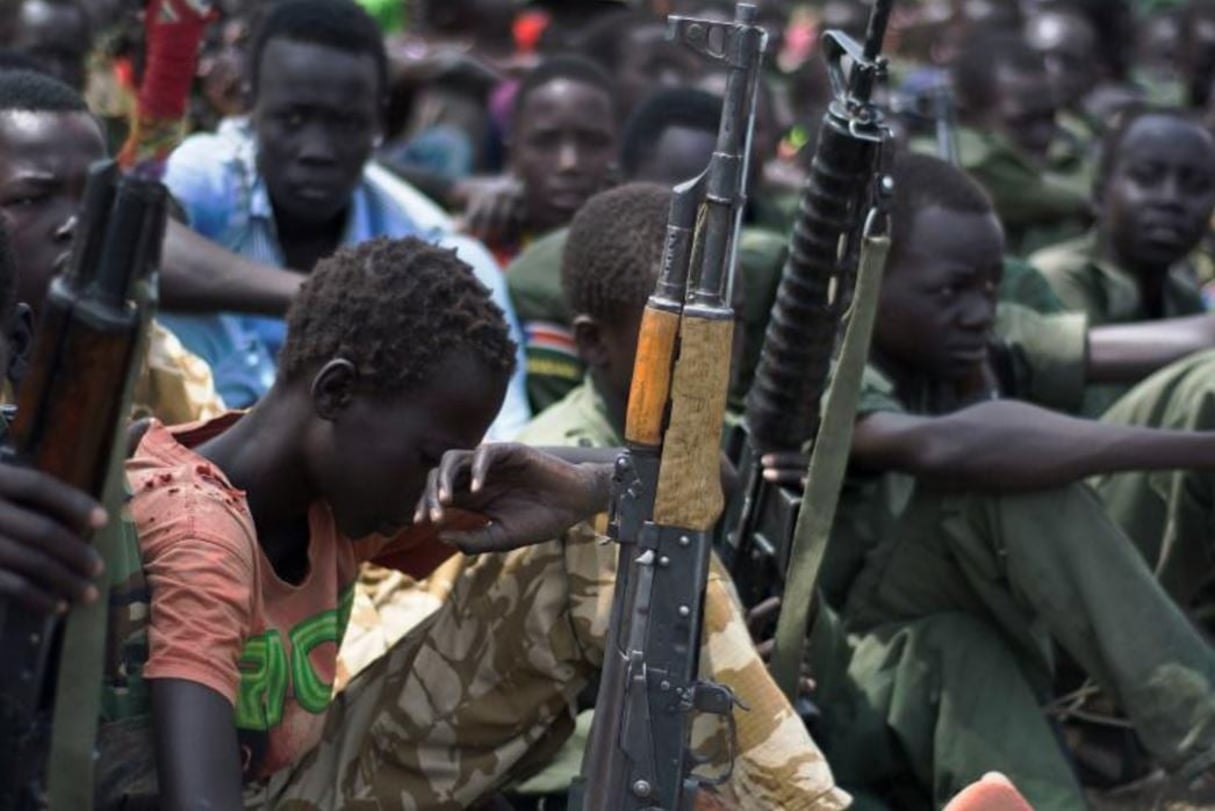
column 1065, row 258
column 539, row 264
column 577, row 419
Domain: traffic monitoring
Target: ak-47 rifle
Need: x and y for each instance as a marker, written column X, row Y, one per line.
column 69, row 415
column 837, row 222
column 668, row 496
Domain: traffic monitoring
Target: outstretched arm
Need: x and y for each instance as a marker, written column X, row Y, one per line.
column 197, row 757
column 1127, row 353
column 200, row 275
column 1010, row 445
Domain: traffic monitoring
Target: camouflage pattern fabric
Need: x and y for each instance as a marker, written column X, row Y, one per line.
column 482, row 692
column 176, row 385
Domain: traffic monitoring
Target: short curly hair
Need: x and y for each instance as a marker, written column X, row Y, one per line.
column 342, row 25
column 614, row 250
column 396, row 309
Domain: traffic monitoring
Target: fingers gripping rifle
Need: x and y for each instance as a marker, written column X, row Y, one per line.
column 71, row 407
column 668, row 493
column 836, row 222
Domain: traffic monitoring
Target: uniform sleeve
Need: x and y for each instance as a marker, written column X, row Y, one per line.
column 175, row 385
column 778, row 765
column 1049, row 355
column 534, row 279
column 199, row 564
column 877, row 394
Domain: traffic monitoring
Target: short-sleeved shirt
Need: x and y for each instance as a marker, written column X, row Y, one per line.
column 1039, row 358
column 215, row 179
column 1108, row 294
column 220, row 616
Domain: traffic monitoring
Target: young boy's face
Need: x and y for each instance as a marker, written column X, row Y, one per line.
column 44, row 161
column 1160, row 192
column 371, row 460
column 563, row 149
column 1024, row 110
column 317, row 115
column 938, row 299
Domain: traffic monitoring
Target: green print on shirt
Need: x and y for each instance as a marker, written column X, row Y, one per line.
column 265, row 675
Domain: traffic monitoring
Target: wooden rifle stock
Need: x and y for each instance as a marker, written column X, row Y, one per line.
column 70, row 409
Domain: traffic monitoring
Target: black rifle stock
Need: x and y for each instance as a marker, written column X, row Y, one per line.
column 667, row 491
column 70, row 409
column 783, row 406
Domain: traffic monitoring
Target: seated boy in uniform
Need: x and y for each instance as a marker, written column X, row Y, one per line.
column 966, row 546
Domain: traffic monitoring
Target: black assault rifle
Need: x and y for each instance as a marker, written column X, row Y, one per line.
column 668, row 496
column 836, row 219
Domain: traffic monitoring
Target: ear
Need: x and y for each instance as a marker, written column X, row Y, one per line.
column 20, row 340
column 333, row 388
column 588, row 335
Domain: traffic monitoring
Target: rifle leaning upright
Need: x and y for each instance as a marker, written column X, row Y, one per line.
column 840, row 230
column 668, row 495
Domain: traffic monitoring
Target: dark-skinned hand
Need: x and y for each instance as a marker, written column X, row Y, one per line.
column 45, row 562
column 493, row 207
column 786, row 469
column 527, row 495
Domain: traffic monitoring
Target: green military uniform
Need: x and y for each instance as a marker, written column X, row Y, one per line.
column 1169, row 513
column 1024, row 284
column 553, row 365
column 1110, row 295
column 952, row 602
column 1166, row 513
column 1037, row 208
column 534, row 281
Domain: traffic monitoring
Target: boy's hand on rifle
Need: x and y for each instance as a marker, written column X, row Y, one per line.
column 528, row 496
column 786, row 469
column 45, row 562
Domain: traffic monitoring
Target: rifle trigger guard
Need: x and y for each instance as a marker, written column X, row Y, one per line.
column 714, row 699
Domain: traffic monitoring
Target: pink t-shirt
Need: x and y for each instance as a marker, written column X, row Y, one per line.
column 220, row 616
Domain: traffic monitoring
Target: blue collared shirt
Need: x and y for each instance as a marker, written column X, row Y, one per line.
column 214, row 177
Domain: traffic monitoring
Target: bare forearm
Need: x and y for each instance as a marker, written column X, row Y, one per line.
column 197, row 754
column 1009, row 445
column 1126, row 353
column 199, row 275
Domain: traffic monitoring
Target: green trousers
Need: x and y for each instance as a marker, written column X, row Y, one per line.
column 950, row 627
column 1170, row 515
